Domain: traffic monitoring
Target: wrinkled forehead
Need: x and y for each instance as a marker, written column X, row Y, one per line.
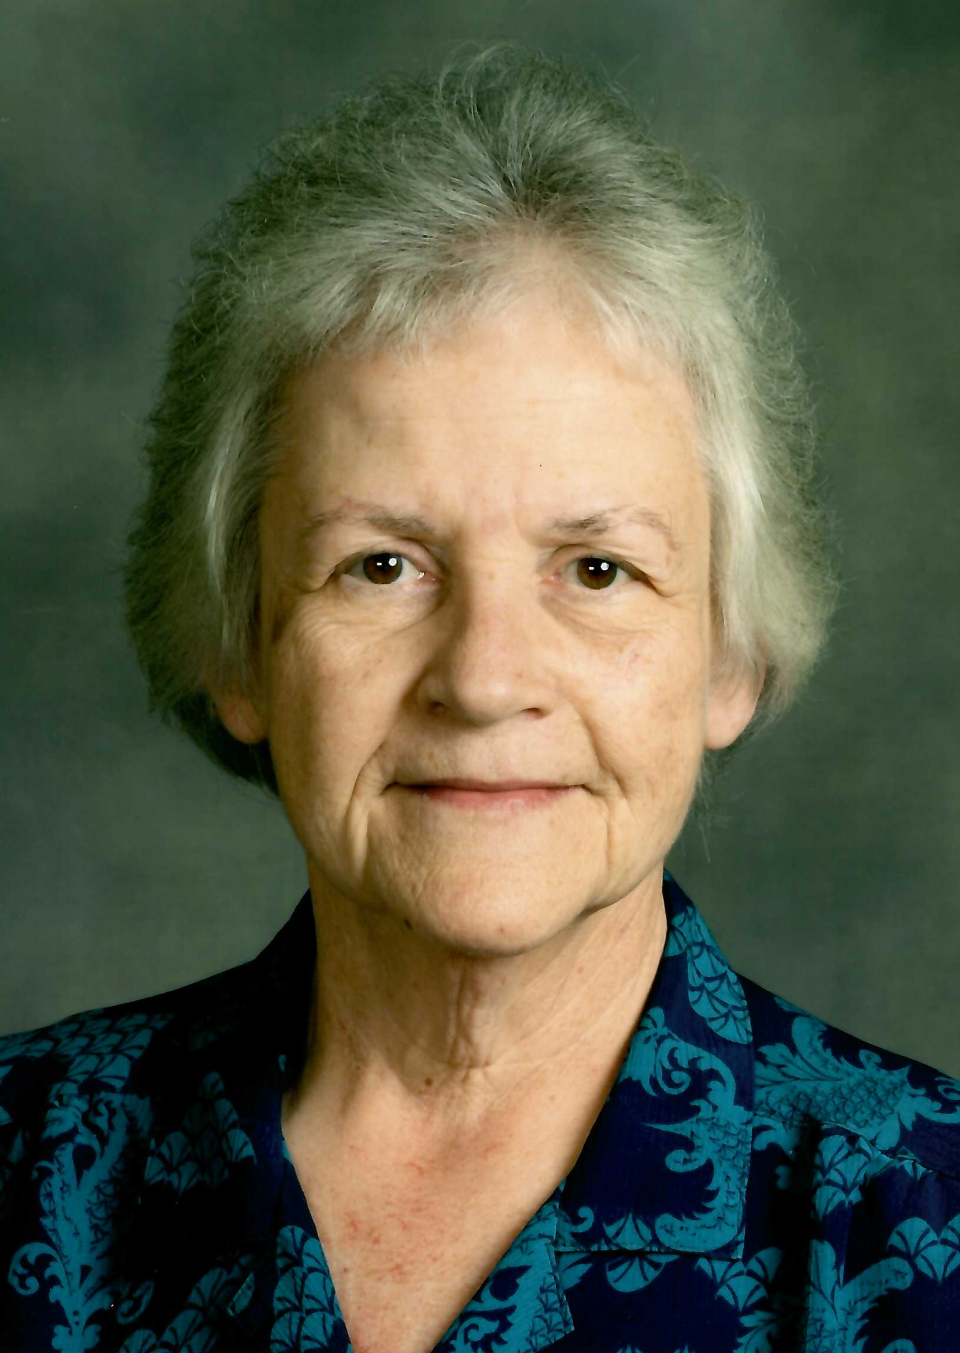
column 523, row 416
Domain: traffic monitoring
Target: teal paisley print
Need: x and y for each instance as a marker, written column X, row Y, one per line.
column 756, row 1182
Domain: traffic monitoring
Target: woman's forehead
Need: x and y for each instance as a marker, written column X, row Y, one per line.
column 524, row 395
column 535, row 350
column 521, row 426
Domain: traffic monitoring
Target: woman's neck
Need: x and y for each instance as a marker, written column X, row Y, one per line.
column 447, row 1045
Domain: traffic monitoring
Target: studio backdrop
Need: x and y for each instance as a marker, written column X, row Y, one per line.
column 131, row 865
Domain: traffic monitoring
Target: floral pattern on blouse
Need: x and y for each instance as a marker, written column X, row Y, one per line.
column 756, row 1182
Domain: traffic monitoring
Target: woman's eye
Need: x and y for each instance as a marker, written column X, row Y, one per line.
column 596, row 573
column 383, row 568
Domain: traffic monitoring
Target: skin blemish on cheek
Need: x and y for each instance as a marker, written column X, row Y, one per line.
column 634, row 653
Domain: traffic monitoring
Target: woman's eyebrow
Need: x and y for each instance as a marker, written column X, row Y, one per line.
column 599, row 523
column 412, row 524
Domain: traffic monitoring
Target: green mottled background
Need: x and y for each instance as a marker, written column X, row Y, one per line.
column 130, row 864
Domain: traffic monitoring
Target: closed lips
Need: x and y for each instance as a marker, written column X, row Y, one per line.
column 490, row 786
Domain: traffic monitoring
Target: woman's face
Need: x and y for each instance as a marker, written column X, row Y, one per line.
column 487, row 642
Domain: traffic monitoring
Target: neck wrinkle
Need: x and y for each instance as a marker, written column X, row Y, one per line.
column 363, row 1080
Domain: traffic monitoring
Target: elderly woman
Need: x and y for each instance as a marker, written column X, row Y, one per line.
column 480, row 522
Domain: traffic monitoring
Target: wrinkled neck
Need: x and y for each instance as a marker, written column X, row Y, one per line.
column 402, row 1028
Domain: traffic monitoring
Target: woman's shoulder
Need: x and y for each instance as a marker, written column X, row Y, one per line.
column 58, row 1077
column 74, row 1075
column 814, row 1080
column 114, row 1123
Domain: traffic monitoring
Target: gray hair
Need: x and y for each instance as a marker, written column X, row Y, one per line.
column 388, row 222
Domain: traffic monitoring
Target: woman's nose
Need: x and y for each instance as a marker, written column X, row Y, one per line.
column 492, row 649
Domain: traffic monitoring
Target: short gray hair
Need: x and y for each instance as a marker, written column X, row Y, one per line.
column 385, row 224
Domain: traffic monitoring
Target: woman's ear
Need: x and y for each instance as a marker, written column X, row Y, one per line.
column 238, row 705
column 239, row 714
column 731, row 704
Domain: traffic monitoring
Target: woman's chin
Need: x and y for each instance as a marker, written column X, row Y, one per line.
column 491, row 929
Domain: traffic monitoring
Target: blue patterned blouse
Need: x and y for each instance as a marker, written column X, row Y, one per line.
column 756, row 1181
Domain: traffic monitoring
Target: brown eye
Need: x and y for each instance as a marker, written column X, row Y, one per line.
column 597, row 574
column 382, row 568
